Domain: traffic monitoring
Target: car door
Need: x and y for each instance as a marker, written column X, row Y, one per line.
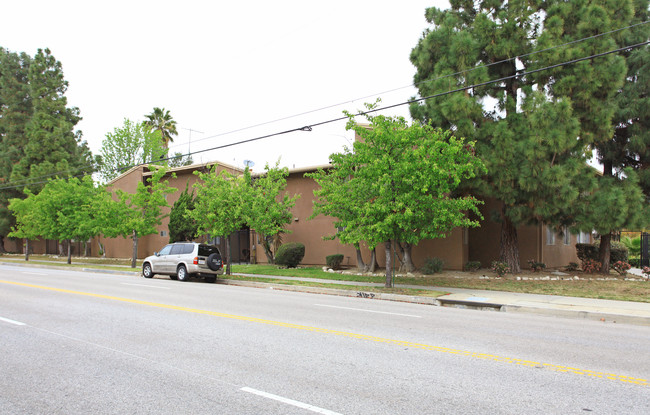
column 175, row 257
column 161, row 263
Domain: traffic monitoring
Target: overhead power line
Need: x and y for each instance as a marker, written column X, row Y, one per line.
column 466, row 71
column 311, row 126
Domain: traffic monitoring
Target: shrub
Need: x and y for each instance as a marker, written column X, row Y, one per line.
column 591, row 265
column 621, row 267
column 591, row 251
column 432, row 266
column 573, row 266
column 501, row 268
column 646, row 271
column 473, row 265
column 334, row 261
column 536, row 266
column 290, row 255
column 635, row 262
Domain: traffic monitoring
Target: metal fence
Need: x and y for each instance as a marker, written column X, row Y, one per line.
column 645, row 249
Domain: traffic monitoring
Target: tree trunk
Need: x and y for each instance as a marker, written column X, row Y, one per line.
column 266, row 243
column 509, row 249
column 361, row 266
column 69, row 251
column 60, row 245
column 227, row 256
column 134, row 256
column 605, row 252
column 26, row 249
column 2, row 245
column 407, row 258
column 389, row 271
column 373, row 261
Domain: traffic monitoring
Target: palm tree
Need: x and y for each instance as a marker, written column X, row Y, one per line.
column 160, row 120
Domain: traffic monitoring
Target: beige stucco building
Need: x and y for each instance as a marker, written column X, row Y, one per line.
column 459, row 247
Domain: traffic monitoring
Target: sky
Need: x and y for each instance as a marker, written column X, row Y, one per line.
column 222, row 67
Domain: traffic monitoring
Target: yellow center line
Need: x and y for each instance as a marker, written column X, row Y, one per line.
column 401, row 343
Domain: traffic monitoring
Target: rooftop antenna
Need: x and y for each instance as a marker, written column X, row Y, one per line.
column 189, row 142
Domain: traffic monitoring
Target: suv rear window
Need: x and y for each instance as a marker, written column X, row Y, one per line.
column 206, row 250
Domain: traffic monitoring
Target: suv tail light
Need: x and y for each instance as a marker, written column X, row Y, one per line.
column 196, row 260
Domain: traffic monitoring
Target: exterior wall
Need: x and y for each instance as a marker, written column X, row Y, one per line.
column 123, row 247
column 484, row 242
column 310, row 233
column 460, row 246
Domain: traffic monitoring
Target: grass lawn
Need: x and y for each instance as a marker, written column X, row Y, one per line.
column 587, row 286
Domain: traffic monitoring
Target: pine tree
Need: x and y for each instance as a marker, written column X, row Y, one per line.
column 527, row 140
column 15, row 112
column 51, row 146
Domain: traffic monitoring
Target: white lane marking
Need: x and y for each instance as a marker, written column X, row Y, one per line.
column 148, row 286
column 290, row 401
column 35, row 273
column 368, row 311
column 6, row 320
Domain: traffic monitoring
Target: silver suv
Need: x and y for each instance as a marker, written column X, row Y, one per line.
column 182, row 260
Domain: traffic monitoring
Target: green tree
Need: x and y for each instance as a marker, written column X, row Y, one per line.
column 268, row 207
column 27, row 222
column 15, row 112
column 160, row 120
column 609, row 106
column 528, row 139
column 142, row 210
column 407, row 176
column 220, row 205
column 182, row 227
column 130, row 145
column 63, row 210
column 51, row 147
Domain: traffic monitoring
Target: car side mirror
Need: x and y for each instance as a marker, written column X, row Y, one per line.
column 156, row 254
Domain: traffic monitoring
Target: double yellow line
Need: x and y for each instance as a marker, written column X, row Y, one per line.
column 401, row 343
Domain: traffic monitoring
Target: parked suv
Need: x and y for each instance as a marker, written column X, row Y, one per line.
column 182, row 260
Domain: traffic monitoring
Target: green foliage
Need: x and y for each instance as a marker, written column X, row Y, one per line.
column 472, row 266
column 219, row 206
column 290, row 254
column 573, row 266
column 618, row 252
column 141, row 212
column 432, row 266
column 63, row 210
column 534, row 145
column 397, row 183
column 501, row 268
column 129, row 145
column 633, row 245
column 182, row 227
column 536, row 266
column 334, row 261
column 268, row 208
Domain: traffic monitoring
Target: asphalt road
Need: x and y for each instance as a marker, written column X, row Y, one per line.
column 74, row 342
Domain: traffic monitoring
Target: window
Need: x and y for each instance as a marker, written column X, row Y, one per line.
column 550, row 236
column 163, row 233
column 567, row 235
column 583, row 237
column 177, row 249
column 165, row 250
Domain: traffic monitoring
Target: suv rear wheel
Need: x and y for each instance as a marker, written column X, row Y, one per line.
column 182, row 273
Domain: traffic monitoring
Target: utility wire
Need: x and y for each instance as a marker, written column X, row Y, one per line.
column 311, row 126
column 421, row 82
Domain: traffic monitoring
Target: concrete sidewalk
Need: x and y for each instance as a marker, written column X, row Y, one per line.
column 551, row 305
